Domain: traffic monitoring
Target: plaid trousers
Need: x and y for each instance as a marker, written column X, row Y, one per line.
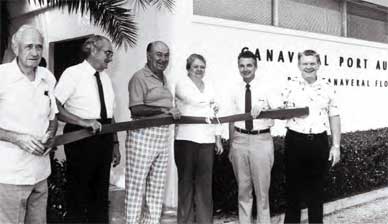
column 145, row 173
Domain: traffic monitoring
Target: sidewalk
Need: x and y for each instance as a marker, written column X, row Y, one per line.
column 373, row 212
column 370, row 207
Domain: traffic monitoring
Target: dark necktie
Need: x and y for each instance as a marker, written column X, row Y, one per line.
column 248, row 107
column 101, row 94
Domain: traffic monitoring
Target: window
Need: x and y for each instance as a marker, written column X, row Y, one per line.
column 364, row 20
column 311, row 15
column 367, row 23
column 252, row 11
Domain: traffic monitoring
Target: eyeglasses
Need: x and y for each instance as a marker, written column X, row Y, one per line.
column 108, row 53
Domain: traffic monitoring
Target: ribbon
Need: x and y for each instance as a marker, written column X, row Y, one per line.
column 166, row 120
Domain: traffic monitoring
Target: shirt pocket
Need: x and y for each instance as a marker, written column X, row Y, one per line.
column 322, row 103
column 43, row 101
column 297, row 99
column 156, row 93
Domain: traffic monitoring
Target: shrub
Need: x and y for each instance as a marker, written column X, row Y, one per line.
column 363, row 167
column 56, row 186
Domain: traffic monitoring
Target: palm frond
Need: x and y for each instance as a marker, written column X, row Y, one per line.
column 116, row 21
column 169, row 4
column 142, row 4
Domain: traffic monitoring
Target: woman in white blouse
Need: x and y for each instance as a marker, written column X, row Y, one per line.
column 195, row 144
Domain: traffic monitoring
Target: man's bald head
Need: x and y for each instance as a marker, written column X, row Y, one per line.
column 155, row 43
column 158, row 56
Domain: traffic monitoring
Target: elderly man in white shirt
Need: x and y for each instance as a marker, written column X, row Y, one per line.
column 85, row 99
column 27, row 121
column 251, row 144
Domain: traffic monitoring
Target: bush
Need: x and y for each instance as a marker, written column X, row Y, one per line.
column 56, row 197
column 363, row 167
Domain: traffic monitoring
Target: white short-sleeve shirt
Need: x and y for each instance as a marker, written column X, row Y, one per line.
column 77, row 90
column 25, row 107
column 192, row 102
column 260, row 95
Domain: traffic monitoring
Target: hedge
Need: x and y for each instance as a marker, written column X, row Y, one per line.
column 56, row 197
column 363, row 167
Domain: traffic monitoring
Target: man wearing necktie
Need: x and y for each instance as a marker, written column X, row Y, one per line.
column 85, row 99
column 251, row 145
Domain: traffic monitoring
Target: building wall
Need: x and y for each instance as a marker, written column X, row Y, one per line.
column 309, row 24
column 251, row 11
column 315, row 16
column 367, row 20
column 221, row 39
column 154, row 24
column 343, row 58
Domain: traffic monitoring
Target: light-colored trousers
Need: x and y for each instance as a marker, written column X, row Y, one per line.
column 252, row 157
column 23, row 204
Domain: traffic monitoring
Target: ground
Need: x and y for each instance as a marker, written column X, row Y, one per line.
column 371, row 207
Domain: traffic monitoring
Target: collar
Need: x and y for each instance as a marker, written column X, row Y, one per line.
column 253, row 82
column 40, row 74
column 302, row 81
column 88, row 68
column 149, row 73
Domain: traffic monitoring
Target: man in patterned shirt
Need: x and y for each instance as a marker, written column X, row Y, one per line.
column 306, row 143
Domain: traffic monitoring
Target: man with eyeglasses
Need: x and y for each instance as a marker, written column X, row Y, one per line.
column 85, row 99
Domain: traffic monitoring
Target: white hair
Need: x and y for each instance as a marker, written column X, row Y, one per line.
column 16, row 37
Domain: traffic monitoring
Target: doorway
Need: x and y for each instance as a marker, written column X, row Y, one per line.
column 66, row 53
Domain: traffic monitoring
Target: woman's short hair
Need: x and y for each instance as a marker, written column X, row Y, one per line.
column 192, row 58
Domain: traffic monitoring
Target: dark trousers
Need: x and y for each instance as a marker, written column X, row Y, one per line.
column 87, row 175
column 194, row 162
column 306, row 169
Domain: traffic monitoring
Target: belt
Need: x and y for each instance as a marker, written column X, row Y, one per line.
column 310, row 136
column 105, row 121
column 252, row 132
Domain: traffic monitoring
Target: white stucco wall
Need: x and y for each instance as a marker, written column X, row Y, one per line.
column 362, row 107
column 153, row 24
column 220, row 41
